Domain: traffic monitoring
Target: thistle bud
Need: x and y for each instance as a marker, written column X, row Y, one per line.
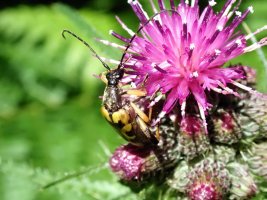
column 180, row 179
column 243, row 185
column 192, row 138
column 226, row 129
column 168, row 143
column 130, row 162
column 209, row 180
column 250, row 76
column 252, row 117
column 205, row 180
column 224, row 154
column 258, row 160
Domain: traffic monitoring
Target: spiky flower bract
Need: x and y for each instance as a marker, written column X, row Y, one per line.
column 180, row 53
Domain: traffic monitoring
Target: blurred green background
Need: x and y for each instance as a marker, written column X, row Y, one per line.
column 50, row 125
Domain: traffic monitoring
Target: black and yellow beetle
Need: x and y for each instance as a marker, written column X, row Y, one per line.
column 125, row 115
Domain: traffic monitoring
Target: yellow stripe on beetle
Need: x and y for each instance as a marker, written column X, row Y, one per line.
column 121, row 116
column 105, row 113
column 125, row 117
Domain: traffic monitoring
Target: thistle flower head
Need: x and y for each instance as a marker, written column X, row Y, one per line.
column 208, row 181
column 192, row 138
column 252, row 117
column 243, row 184
column 204, row 191
column 250, row 76
column 181, row 53
column 258, row 160
column 226, row 129
column 130, row 162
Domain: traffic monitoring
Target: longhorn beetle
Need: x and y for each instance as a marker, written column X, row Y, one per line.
column 125, row 116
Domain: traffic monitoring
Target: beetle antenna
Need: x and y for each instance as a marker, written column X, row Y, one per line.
column 86, row 44
column 138, row 31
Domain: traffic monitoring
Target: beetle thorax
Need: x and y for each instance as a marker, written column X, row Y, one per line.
column 112, row 98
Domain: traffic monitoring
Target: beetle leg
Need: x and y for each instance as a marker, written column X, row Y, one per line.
column 150, row 113
column 157, row 133
column 143, row 126
column 138, row 93
column 104, row 78
column 140, row 113
column 145, row 129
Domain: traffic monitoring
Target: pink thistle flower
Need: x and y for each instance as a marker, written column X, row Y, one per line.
column 181, row 53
